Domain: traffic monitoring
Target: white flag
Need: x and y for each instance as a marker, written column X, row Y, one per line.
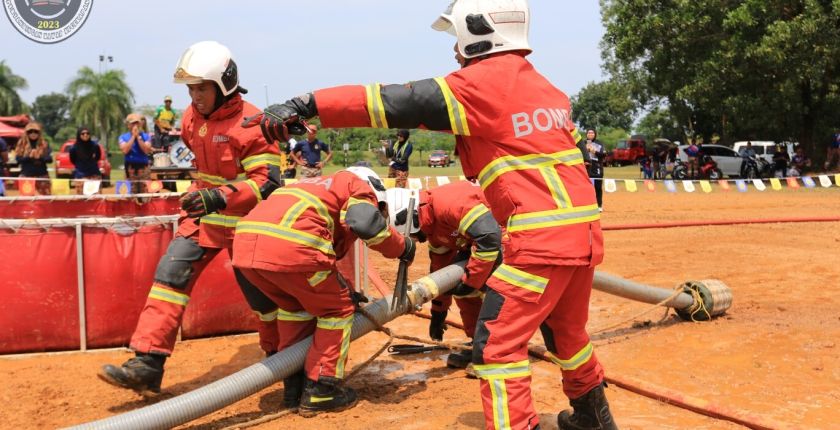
column 609, row 185
column 688, row 186
column 442, row 180
column 415, row 183
column 825, row 181
column 759, row 185
column 91, row 187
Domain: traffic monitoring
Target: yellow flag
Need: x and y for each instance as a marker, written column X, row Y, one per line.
column 706, row 186
column 777, row 185
column 182, row 186
column 61, row 187
column 390, row 183
column 464, row 178
column 290, row 181
column 630, row 185
column 837, row 180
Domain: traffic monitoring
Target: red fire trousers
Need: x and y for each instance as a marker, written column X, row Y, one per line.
column 468, row 307
column 311, row 303
column 519, row 300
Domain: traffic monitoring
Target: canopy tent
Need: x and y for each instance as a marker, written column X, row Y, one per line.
column 9, row 131
column 16, row 121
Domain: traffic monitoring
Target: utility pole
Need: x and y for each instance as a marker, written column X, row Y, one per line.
column 102, row 62
column 266, row 95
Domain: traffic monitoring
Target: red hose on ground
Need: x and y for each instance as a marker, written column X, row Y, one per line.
column 638, row 386
column 715, row 222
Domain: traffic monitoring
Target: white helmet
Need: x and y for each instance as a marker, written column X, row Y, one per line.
column 398, row 199
column 373, row 180
column 209, row 61
column 487, row 26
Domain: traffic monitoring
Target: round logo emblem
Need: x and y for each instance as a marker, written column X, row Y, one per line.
column 47, row 21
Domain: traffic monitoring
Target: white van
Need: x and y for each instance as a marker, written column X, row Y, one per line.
column 765, row 149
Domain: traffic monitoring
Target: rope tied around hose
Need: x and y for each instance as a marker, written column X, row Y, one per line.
column 699, row 305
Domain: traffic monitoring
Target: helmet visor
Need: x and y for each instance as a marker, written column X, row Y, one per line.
column 444, row 22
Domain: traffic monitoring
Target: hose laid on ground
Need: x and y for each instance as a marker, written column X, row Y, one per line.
column 249, row 381
column 715, row 222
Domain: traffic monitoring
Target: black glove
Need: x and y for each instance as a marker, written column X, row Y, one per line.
column 438, row 325
column 410, row 250
column 279, row 121
column 358, row 298
column 202, row 202
column 461, row 290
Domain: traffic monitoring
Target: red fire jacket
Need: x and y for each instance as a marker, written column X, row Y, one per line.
column 512, row 135
column 307, row 226
column 238, row 160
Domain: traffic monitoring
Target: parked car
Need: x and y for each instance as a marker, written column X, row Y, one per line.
column 728, row 161
column 64, row 167
column 439, row 158
column 765, row 149
column 367, row 164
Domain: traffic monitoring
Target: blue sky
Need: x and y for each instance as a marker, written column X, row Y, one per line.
column 292, row 47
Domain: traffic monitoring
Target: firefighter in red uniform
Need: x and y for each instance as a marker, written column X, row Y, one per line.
column 512, row 136
column 457, row 225
column 237, row 168
column 288, row 247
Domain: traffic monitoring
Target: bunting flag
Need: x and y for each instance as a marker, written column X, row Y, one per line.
column 824, row 181
column 290, row 181
column 123, row 188
column 182, row 186
column 759, row 185
column 91, row 187
column 609, row 185
column 837, row 179
column 390, row 182
column 650, row 186
column 592, row 181
column 688, row 186
column 671, row 186
column 724, row 185
column 741, row 185
column 462, row 177
column 26, row 187
column 793, row 184
column 60, row 187
column 809, row 182
column 154, row 186
column 630, row 185
column 2, row 187
column 442, row 180
column 415, row 184
column 706, row 186
column 776, row 184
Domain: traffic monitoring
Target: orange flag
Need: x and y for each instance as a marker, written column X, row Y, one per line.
column 650, row 186
column 27, row 187
column 154, row 186
column 793, row 184
column 724, row 185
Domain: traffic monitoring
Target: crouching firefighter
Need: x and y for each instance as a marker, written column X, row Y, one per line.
column 288, row 247
column 237, row 168
column 456, row 223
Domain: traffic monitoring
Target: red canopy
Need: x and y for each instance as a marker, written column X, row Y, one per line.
column 16, row 121
column 9, row 131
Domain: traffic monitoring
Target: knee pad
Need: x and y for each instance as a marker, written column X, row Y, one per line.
column 257, row 300
column 175, row 267
column 490, row 310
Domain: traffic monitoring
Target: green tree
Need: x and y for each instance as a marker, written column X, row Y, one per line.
column 52, row 111
column 603, row 104
column 10, row 83
column 65, row 133
column 660, row 123
column 101, row 101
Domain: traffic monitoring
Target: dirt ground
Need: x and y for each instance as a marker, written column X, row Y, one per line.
column 774, row 353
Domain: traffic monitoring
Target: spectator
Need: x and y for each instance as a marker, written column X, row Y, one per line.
column 746, row 153
column 646, row 165
column 833, row 155
column 656, row 163
column 399, row 154
column 307, row 153
column 33, row 153
column 799, row 164
column 4, row 158
column 694, row 152
column 164, row 119
column 136, row 146
column 85, row 156
column 597, row 154
column 780, row 161
column 291, row 165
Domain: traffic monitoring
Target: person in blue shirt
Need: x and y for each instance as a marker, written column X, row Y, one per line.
column 136, row 145
column 399, row 154
column 694, row 153
column 85, row 156
column 746, row 153
column 307, row 153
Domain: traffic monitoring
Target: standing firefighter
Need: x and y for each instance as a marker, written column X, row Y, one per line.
column 237, row 169
column 512, row 136
column 288, row 246
column 456, row 223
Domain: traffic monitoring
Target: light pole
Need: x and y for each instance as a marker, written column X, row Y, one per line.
column 266, row 94
column 102, row 61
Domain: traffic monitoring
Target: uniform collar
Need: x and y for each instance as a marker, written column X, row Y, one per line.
column 231, row 108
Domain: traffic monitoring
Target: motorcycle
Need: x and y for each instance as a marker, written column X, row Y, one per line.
column 756, row 168
column 708, row 169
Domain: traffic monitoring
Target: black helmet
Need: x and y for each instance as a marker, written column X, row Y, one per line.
column 404, row 133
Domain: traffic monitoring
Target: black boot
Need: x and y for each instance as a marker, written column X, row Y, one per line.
column 591, row 412
column 460, row 359
column 325, row 396
column 438, row 325
column 142, row 373
column 293, row 389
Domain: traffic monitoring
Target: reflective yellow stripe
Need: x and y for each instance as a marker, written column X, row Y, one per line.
column 218, row 180
column 555, row 218
column 253, row 184
column 320, row 399
column 222, row 220
column 376, row 109
column 503, row 371
column 315, row 202
column 578, row 360
column 457, row 113
column 485, row 255
column 576, row 136
column 318, row 277
column 439, row 250
column 285, row 233
column 521, row 279
column 293, row 213
column 379, row 238
column 471, row 217
column 335, row 323
column 169, row 296
column 355, row 201
column 509, row 163
column 294, row 316
column 261, row 160
column 499, row 400
column 555, row 186
column 271, row 316
column 346, row 326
